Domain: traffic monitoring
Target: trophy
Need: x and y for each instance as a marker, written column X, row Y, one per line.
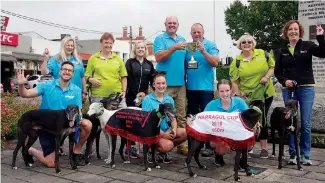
column 191, row 47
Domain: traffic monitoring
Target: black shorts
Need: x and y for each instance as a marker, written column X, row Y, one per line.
column 47, row 142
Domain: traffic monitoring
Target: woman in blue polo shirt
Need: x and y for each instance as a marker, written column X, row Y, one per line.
column 225, row 103
column 68, row 52
column 168, row 140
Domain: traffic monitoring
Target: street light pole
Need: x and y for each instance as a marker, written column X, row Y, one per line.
column 214, row 21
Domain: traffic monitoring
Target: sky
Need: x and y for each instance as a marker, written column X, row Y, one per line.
column 112, row 15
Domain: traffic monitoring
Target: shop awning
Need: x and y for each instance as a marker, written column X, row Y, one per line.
column 7, row 57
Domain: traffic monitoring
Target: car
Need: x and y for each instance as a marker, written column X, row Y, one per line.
column 34, row 80
column 14, row 85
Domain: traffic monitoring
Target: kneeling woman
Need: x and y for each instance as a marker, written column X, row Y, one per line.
column 225, row 103
column 170, row 135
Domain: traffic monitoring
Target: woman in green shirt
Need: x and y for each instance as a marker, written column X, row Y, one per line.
column 250, row 74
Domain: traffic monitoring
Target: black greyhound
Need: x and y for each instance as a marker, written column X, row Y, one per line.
column 56, row 122
column 250, row 117
column 284, row 120
column 123, row 123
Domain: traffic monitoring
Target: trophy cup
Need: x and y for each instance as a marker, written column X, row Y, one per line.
column 191, row 47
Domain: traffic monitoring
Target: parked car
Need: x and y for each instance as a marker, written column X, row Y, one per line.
column 34, row 80
column 14, row 85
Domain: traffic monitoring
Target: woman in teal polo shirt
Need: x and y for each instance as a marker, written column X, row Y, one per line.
column 68, row 52
column 225, row 103
column 168, row 140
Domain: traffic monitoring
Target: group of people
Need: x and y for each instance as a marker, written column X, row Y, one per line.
column 173, row 81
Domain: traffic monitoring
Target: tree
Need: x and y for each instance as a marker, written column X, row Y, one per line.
column 263, row 20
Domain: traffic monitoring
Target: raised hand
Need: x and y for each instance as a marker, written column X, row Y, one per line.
column 319, row 30
column 21, row 79
column 46, row 54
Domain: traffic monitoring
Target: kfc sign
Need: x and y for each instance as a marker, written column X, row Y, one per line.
column 4, row 22
column 9, row 39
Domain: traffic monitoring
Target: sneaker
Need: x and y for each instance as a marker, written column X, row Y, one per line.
column 167, row 159
column 306, row 161
column 264, row 154
column 160, row 157
column 218, row 160
column 133, row 153
column 293, row 159
column 207, row 153
column 149, row 157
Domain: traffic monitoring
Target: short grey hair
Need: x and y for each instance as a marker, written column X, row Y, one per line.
column 248, row 37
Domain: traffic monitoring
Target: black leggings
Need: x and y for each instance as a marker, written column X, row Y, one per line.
column 264, row 129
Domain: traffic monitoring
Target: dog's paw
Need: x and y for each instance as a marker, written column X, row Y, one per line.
column 74, row 167
column 272, row 156
column 107, row 161
column 185, row 164
column 99, row 157
column 283, row 157
column 280, row 167
column 14, row 168
column 203, row 167
column 249, row 174
column 193, row 175
column 148, row 170
column 113, row 166
column 126, row 162
column 157, row 167
column 237, row 179
column 300, row 169
column 30, row 165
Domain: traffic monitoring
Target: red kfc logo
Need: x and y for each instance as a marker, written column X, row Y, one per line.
column 9, row 39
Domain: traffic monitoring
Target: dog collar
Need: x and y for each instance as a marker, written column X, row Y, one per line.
column 159, row 114
column 295, row 114
column 257, row 109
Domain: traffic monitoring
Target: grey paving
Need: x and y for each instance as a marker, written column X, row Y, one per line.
column 99, row 172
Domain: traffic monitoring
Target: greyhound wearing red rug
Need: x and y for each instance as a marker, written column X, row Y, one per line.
column 234, row 129
column 132, row 124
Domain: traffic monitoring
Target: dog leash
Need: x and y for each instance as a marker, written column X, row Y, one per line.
column 292, row 94
column 77, row 129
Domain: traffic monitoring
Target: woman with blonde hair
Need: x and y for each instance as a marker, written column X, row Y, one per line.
column 68, row 52
column 294, row 63
column 140, row 73
column 250, row 74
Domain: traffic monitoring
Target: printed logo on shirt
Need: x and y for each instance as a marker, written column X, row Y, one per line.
column 69, row 96
column 303, row 51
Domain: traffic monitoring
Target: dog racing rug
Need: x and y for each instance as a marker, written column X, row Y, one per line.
column 133, row 125
column 221, row 128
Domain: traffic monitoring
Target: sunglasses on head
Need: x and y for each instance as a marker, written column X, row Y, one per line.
column 248, row 42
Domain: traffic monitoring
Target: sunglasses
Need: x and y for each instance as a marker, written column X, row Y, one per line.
column 248, row 42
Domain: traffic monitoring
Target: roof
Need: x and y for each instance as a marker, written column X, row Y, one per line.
column 84, row 56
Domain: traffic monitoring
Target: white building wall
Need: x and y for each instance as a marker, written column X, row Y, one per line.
column 39, row 45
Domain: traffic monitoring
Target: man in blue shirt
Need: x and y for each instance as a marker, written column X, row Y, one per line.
column 169, row 49
column 200, row 81
column 56, row 95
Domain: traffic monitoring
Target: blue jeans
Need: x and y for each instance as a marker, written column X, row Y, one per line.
column 305, row 96
column 198, row 100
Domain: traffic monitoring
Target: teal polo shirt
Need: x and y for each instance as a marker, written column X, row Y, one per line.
column 203, row 77
column 54, row 66
column 237, row 105
column 54, row 98
column 175, row 64
column 150, row 102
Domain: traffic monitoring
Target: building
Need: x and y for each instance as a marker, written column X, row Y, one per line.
column 127, row 38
